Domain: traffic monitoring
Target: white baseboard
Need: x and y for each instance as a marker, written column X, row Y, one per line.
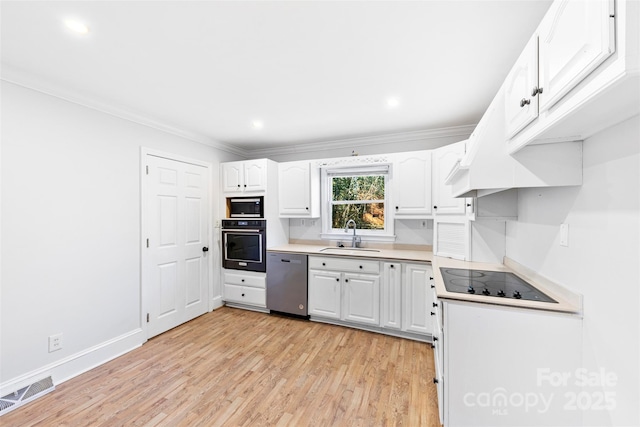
column 79, row 363
column 216, row 303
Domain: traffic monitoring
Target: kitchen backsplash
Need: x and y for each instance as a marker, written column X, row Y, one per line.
column 408, row 231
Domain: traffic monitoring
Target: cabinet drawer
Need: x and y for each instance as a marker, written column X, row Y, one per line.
column 344, row 264
column 244, row 279
column 245, row 295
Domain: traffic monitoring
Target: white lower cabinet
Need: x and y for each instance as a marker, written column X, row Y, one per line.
column 507, row 366
column 353, row 291
column 344, row 295
column 325, row 293
column 245, row 287
column 417, row 300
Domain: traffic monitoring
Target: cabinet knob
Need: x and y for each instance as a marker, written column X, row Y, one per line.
column 524, row 102
column 430, row 278
column 346, row 280
column 433, row 286
column 324, row 264
column 433, row 345
column 242, row 294
column 242, row 280
column 435, row 338
column 434, row 304
column 536, row 90
column 245, row 185
column 435, row 207
column 360, row 267
column 307, row 208
column 391, row 266
column 433, row 314
column 337, row 280
column 435, row 381
column 396, row 208
column 468, row 205
column 238, row 185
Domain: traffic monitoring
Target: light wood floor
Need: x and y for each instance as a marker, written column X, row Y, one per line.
column 239, row 368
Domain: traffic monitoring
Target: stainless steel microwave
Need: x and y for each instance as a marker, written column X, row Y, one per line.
column 245, row 207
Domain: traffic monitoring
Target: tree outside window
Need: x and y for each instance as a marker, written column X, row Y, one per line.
column 360, row 198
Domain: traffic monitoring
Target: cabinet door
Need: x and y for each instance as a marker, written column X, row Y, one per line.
column 444, row 159
column 575, row 37
column 324, row 294
column 521, row 100
column 391, row 295
column 412, row 184
column 452, row 237
column 255, row 175
column 361, row 298
column 294, row 189
column 232, row 177
column 416, row 313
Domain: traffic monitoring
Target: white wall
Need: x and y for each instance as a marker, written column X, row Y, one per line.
column 71, row 231
column 602, row 261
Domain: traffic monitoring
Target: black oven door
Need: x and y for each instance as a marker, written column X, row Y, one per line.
column 244, row 250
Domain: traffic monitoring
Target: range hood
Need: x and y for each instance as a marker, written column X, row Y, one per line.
column 487, row 167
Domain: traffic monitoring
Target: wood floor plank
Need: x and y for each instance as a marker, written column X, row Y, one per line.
column 234, row 367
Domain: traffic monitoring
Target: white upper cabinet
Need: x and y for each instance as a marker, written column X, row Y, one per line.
column 412, row 184
column 444, row 159
column 575, row 38
column 521, row 88
column 299, row 190
column 245, row 176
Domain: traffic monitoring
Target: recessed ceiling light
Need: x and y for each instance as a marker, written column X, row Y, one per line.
column 76, row 26
column 392, row 102
column 257, row 124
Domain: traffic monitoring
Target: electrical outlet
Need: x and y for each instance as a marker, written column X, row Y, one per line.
column 564, row 234
column 55, row 343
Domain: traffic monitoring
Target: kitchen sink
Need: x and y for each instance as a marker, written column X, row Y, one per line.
column 348, row 251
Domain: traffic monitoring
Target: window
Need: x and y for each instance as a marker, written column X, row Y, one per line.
column 357, row 193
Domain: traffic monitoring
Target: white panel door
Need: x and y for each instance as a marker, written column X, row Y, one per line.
column 361, row 301
column 521, row 88
column 444, row 159
column 294, row 188
column 176, row 273
column 416, row 313
column 575, row 37
column 324, row 293
column 412, row 184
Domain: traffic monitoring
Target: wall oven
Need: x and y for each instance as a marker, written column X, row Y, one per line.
column 244, row 244
column 245, row 207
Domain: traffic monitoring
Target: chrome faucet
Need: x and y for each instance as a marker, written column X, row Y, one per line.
column 355, row 240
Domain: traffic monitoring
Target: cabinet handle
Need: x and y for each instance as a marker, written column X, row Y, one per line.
column 434, row 304
column 435, row 381
column 433, row 286
column 432, row 313
column 536, row 90
column 524, row 102
column 435, row 338
column 468, row 205
column 430, row 278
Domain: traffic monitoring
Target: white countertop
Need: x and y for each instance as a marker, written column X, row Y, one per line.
column 568, row 302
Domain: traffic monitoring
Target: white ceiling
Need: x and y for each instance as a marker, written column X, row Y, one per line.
column 310, row 70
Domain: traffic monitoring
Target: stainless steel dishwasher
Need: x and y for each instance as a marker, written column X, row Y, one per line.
column 287, row 283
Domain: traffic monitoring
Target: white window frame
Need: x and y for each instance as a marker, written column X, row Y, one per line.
column 326, row 173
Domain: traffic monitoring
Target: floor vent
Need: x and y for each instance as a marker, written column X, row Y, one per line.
column 25, row 395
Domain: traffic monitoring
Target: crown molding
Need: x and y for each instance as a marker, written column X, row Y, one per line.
column 10, row 75
column 391, row 138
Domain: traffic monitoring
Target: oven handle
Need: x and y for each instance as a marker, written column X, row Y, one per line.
column 242, row 230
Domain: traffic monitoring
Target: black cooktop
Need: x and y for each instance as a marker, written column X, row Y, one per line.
column 499, row 284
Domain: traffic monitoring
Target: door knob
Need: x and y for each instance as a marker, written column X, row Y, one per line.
column 205, row 249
